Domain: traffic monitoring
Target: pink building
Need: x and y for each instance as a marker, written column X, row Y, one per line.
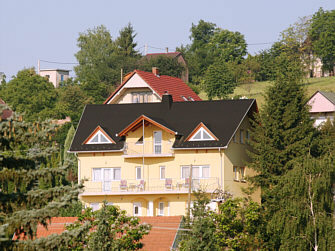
column 322, row 107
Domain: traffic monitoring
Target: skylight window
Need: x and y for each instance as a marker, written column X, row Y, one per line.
column 201, row 135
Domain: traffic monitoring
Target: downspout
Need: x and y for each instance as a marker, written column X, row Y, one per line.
column 221, row 167
column 143, row 147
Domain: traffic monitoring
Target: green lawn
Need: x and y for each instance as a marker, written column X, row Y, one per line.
column 257, row 89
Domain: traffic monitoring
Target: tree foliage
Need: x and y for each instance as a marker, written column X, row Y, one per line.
column 219, row 80
column 125, row 42
column 167, row 65
column 322, row 34
column 31, row 95
column 33, row 189
column 114, row 230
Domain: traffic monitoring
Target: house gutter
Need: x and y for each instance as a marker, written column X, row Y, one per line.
column 199, row 148
column 221, row 167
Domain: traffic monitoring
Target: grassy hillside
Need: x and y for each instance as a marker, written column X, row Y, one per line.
column 257, row 89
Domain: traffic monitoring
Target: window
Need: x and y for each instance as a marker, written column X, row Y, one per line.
column 198, row 172
column 140, row 97
column 101, row 174
column 161, row 208
column 47, row 76
column 94, row 206
column 61, row 77
column 158, row 142
column 99, row 138
column 138, row 173
column 185, row 99
column 241, row 137
column 201, row 135
column 239, row 173
column 96, row 174
column 162, row 172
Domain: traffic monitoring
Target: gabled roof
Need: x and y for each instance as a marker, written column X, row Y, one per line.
column 222, row 117
column 138, row 122
column 329, row 95
column 161, row 84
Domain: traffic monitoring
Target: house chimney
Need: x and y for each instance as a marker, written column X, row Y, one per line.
column 155, row 71
column 167, row 100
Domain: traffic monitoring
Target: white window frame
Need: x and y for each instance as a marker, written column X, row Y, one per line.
column 161, row 143
column 160, row 172
column 159, row 209
column 241, row 136
column 136, row 172
column 202, row 131
column 200, row 172
column 93, row 176
column 102, row 173
column 100, row 134
column 242, row 178
column 236, row 173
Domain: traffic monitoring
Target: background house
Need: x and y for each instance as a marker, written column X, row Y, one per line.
column 142, row 87
column 322, row 107
column 55, row 76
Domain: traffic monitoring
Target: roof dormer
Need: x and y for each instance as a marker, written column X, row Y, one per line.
column 99, row 136
column 201, row 133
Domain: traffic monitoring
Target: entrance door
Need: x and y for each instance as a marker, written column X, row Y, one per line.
column 158, row 142
column 137, row 209
column 107, row 179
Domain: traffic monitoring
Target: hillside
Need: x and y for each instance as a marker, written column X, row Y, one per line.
column 257, row 89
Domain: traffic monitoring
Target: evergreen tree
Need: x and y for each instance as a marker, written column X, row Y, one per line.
column 282, row 135
column 25, row 151
column 125, row 42
column 70, row 159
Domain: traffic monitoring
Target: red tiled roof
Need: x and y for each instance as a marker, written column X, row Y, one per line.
column 160, row 84
column 5, row 113
column 160, row 238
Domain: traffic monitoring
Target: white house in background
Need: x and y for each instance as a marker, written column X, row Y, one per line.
column 55, row 76
column 322, row 107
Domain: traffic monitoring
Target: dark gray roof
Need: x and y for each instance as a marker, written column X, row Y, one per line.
column 222, row 117
column 329, row 95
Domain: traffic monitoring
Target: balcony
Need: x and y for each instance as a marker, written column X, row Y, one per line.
column 152, row 186
column 148, row 149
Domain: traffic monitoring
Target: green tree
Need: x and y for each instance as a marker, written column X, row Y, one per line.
column 239, row 225
column 304, row 221
column 30, row 94
column 281, row 135
column 70, row 159
column 25, row 167
column 166, row 65
column 114, row 230
column 202, row 226
column 71, row 100
column 227, row 46
column 322, row 34
column 219, row 80
column 125, row 42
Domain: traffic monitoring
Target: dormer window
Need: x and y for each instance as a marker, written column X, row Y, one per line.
column 99, row 136
column 201, row 133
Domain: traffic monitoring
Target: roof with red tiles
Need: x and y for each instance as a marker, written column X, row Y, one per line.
column 6, row 113
column 160, row 238
column 161, row 84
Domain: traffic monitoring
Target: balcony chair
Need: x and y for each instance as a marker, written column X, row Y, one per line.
column 140, row 186
column 123, row 185
column 168, row 184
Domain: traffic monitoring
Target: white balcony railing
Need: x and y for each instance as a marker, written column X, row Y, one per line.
column 148, row 149
column 150, row 186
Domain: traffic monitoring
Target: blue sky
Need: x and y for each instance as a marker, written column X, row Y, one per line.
column 36, row 29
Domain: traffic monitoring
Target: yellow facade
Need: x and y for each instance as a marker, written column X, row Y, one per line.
column 146, row 171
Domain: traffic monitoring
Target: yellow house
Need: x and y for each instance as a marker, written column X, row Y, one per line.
column 147, row 157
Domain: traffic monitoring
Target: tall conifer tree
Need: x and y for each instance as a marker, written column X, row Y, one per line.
column 25, row 151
